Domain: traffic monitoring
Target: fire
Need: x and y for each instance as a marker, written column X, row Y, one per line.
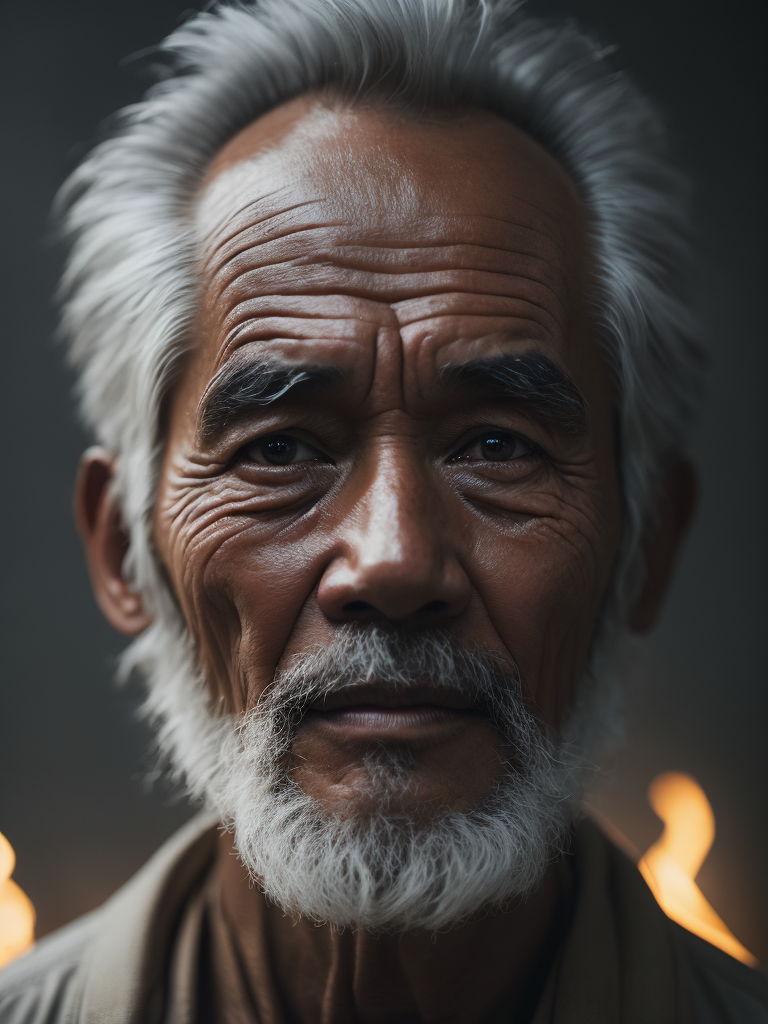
column 17, row 915
column 672, row 863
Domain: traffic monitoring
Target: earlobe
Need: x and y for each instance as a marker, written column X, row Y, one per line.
column 676, row 504
column 106, row 543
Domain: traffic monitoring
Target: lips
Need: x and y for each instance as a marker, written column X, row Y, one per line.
column 385, row 714
column 389, row 698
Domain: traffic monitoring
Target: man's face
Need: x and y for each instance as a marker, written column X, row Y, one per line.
column 396, row 413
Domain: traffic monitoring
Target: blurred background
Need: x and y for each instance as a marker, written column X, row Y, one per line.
column 76, row 797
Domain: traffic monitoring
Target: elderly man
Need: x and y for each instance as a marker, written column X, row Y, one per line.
column 376, row 306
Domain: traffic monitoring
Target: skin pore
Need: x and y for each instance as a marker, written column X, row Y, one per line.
column 395, row 412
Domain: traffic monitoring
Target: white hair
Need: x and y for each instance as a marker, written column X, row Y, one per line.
column 130, row 291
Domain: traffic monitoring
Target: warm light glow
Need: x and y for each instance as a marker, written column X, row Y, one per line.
column 672, row 863
column 17, row 915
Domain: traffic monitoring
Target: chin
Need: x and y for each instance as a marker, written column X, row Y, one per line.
column 386, row 859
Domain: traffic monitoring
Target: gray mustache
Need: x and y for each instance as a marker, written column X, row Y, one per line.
column 394, row 661
column 362, row 657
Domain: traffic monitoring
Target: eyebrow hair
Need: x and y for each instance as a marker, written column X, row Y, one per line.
column 254, row 384
column 530, row 379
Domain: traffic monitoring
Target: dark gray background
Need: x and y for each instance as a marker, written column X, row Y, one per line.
column 73, row 797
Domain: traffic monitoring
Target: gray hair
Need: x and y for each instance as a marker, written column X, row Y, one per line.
column 130, row 291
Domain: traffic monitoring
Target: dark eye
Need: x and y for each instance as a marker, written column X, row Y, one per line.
column 281, row 450
column 495, row 446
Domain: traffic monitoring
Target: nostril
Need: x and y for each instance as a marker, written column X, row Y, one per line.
column 434, row 606
column 357, row 606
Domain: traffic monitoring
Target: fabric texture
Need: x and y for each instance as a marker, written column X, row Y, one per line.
column 135, row 960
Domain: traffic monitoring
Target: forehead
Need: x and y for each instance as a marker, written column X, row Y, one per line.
column 325, row 226
column 468, row 158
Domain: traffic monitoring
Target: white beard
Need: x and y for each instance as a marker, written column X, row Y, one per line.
column 386, row 870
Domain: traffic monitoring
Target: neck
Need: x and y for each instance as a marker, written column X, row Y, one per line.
column 489, row 966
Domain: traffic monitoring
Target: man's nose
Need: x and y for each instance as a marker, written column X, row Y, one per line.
column 396, row 559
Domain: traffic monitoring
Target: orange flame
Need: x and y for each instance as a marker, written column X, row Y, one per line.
column 672, row 863
column 17, row 915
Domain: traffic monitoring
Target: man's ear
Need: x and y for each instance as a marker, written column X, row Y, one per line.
column 106, row 543
column 675, row 505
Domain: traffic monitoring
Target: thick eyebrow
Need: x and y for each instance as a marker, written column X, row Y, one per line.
column 530, row 380
column 244, row 387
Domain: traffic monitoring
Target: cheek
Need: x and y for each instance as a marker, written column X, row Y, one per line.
column 242, row 581
column 543, row 591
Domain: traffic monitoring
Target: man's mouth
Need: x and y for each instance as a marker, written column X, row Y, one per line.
column 390, row 715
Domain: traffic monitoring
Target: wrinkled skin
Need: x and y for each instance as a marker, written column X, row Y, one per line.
column 389, row 268
column 388, row 248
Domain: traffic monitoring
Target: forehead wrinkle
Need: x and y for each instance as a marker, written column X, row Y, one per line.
column 230, row 248
column 452, row 307
column 295, row 307
column 428, row 246
column 211, row 246
column 230, row 252
column 332, row 274
column 449, row 257
column 231, row 345
column 267, row 172
column 462, row 256
column 537, row 282
column 243, row 258
column 254, row 283
column 231, row 276
column 266, row 332
column 265, row 325
column 304, row 328
column 233, row 216
column 276, row 329
column 435, row 232
column 539, row 328
column 229, row 269
column 482, row 331
column 325, row 309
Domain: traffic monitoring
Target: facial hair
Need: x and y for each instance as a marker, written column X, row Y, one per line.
column 387, row 870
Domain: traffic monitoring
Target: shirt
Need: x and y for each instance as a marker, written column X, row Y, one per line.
column 136, row 959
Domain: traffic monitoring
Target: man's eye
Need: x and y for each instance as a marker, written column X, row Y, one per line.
column 494, row 446
column 281, row 450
